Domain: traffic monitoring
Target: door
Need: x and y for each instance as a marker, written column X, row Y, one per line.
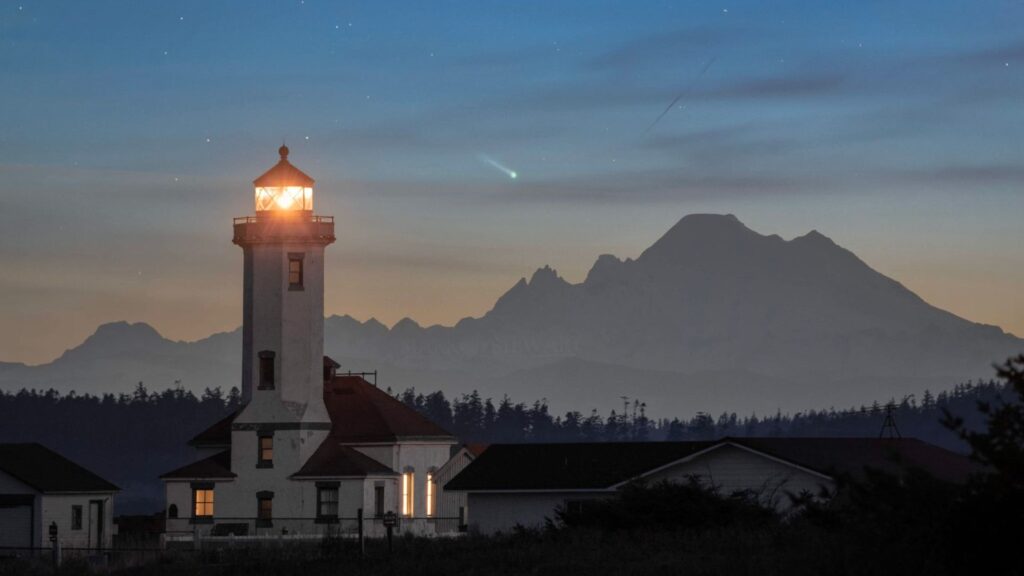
column 96, row 524
column 16, row 521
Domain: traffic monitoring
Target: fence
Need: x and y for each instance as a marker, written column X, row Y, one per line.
column 231, row 531
column 209, row 542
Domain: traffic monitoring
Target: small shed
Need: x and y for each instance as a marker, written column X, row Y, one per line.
column 39, row 487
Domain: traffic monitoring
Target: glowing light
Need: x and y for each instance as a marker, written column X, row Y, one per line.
column 407, row 497
column 430, row 494
column 283, row 198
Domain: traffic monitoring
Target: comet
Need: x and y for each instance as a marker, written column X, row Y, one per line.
column 492, row 162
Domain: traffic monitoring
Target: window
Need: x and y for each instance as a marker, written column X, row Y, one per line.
column 76, row 517
column 202, row 498
column 327, row 501
column 378, row 501
column 408, row 486
column 266, row 370
column 265, row 457
column 431, row 493
column 264, row 508
column 172, row 511
column 295, row 270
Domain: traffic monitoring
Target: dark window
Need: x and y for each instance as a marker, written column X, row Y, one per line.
column 265, row 458
column 266, row 370
column 76, row 517
column 295, row 271
column 172, row 511
column 327, row 502
column 264, row 507
column 378, row 501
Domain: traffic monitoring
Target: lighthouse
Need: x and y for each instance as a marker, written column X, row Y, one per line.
column 283, row 308
column 310, row 450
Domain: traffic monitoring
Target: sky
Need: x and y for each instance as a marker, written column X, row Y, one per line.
column 132, row 130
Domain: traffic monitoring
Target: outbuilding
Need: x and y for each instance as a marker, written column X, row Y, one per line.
column 39, row 488
column 524, row 484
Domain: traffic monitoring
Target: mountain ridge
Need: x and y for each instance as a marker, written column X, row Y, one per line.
column 710, row 301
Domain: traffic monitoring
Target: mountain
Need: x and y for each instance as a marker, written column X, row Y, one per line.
column 713, row 316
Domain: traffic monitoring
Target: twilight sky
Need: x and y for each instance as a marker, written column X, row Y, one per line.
column 130, row 132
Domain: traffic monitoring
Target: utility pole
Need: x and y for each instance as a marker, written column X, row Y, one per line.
column 889, row 428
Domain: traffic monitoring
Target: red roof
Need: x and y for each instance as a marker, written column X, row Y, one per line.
column 361, row 412
column 476, row 449
column 333, row 460
column 284, row 174
column 216, row 466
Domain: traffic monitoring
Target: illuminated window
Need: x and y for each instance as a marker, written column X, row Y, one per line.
column 408, row 487
column 266, row 370
column 265, row 458
column 431, row 493
column 295, row 271
column 327, row 502
column 202, row 499
column 283, row 198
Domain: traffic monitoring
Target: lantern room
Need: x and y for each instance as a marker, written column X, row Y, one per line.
column 283, row 188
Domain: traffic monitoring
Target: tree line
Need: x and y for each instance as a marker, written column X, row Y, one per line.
column 475, row 419
column 131, row 439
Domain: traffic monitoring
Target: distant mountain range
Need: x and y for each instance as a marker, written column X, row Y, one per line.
column 712, row 317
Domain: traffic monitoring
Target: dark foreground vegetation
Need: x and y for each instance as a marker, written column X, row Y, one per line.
column 133, row 438
column 906, row 524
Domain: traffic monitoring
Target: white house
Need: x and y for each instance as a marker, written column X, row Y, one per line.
column 452, row 505
column 524, row 484
column 310, row 448
column 40, row 488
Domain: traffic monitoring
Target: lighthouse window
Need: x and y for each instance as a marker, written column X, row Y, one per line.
column 295, row 271
column 266, row 370
column 265, row 458
column 264, row 508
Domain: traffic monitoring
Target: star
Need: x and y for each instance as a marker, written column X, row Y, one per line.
column 207, row 140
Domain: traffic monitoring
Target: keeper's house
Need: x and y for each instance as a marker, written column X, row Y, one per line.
column 523, row 484
column 40, row 488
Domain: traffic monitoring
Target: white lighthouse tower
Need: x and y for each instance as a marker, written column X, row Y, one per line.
column 283, row 316
column 310, row 449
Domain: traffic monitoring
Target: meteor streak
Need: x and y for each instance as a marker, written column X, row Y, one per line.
column 491, row 161
column 681, row 95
